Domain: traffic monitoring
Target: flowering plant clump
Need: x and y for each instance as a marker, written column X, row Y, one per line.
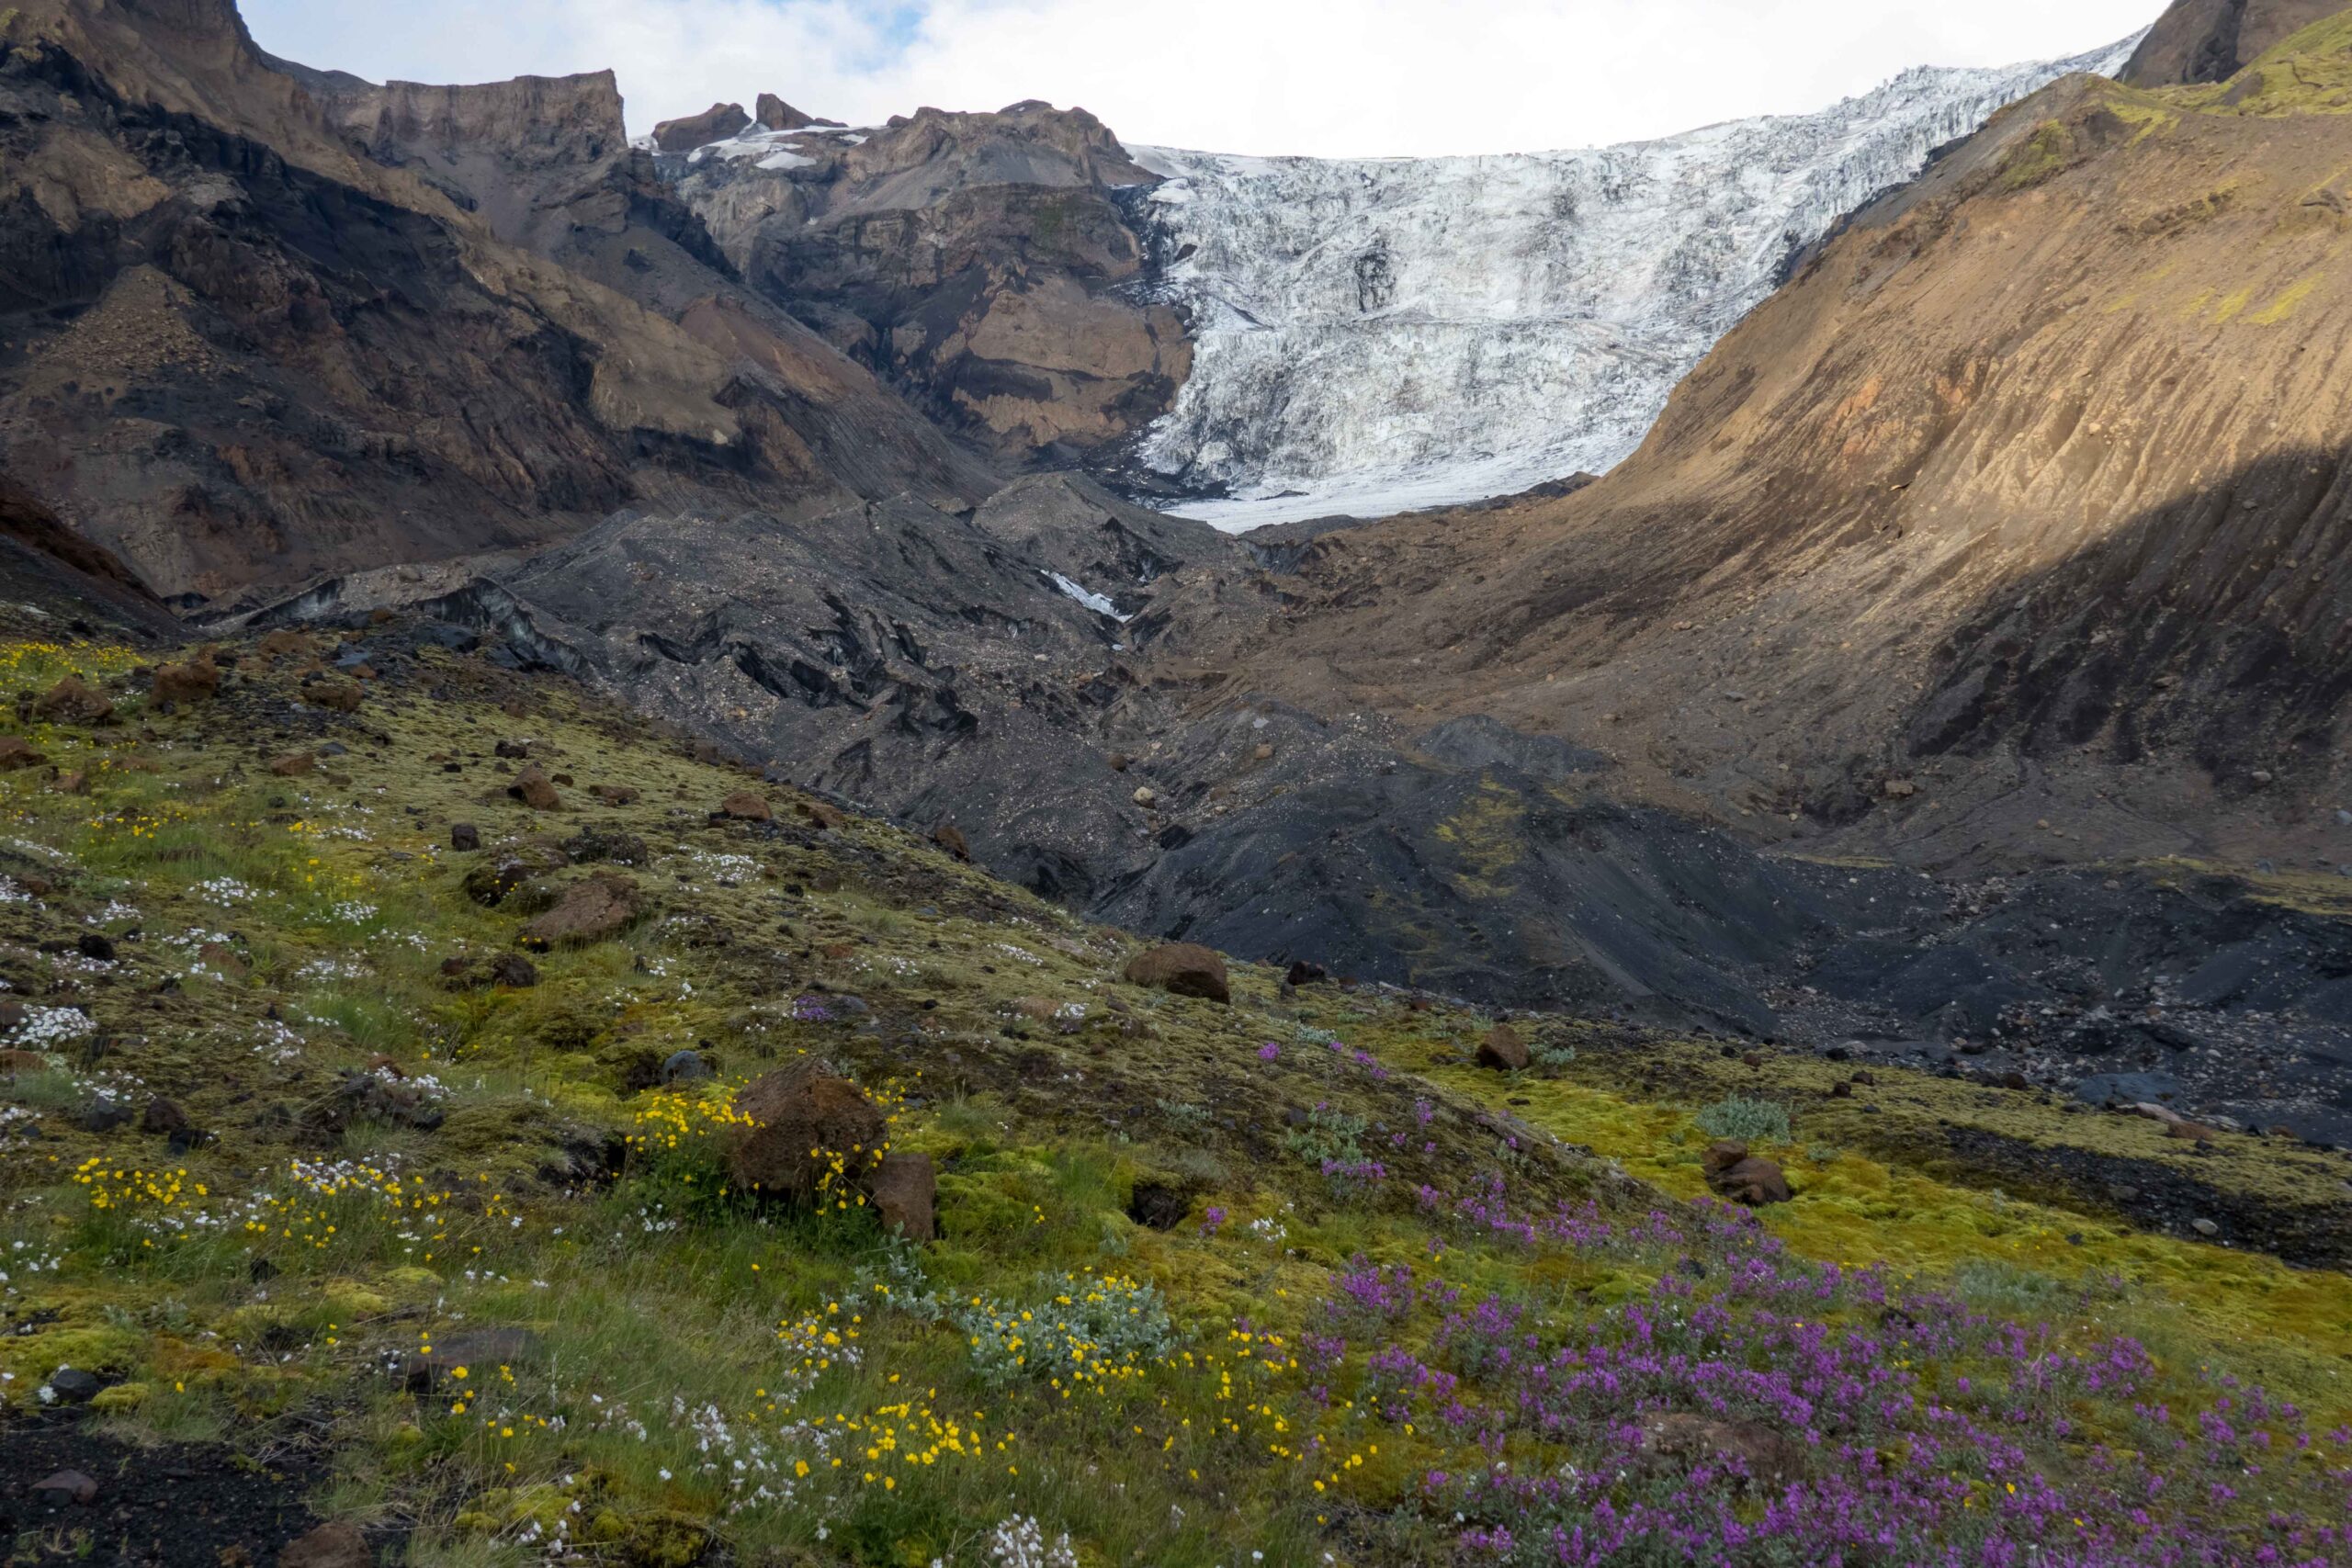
column 1754, row 1408
column 1090, row 1329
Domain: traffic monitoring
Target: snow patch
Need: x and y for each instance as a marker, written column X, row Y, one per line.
column 1092, row 601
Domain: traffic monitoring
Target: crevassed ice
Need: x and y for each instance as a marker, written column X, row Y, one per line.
column 1371, row 336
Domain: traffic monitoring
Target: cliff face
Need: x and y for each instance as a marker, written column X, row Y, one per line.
column 2031, row 488
column 2211, row 41
column 974, row 260
column 263, row 327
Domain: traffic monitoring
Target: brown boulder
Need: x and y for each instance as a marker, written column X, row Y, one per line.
column 613, row 795
column 1503, row 1050
column 1742, row 1178
column 336, row 1545
column 15, row 1062
column 906, row 1192
column 336, row 696
column 1181, row 969
column 295, row 762
column 822, row 815
column 797, row 1110
column 716, row 123
column 196, row 680
column 743, row 805
column 595, row 910
column 16, row 752
column 949, row 836
column 72, row 701
column 280, row 644
column 534, row 789
column 74, row 783
column 1767, row 1458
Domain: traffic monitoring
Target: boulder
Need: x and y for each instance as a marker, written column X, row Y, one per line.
column 196, row 680
column 906, row 1192
column 464, row 836
column 336, row 696
column 716, row 123
column 1302, row 973
column 492, row 884
column 592, row 911
column 1767, row 1458
column 161, row 1117
column 613, row 795
column 336, row 1545
column 74, row 1386
column 949, row 836
column 1503, row 1051
column 294, row 763
column 822, row 815
column 16, row 752
column 13, row 1062
column 74, row 701
column 534, row 789
column 74, row 783
column 1742, row 1178
column 1182, row 969
column 685, row 1067
column 744, row 805
column 796, row 1109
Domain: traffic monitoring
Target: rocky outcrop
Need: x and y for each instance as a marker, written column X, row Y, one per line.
column 304, row 326
column 716, row 123
column 974, row 260
column 2211, row 41
column 774, row 114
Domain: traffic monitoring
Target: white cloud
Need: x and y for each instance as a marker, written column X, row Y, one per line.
column 1337, row 77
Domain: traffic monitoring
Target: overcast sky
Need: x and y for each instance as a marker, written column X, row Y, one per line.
column 1333, row 77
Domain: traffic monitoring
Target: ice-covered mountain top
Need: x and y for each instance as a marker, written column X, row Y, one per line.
column 1374, row 336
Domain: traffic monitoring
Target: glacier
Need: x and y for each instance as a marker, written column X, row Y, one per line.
column 1375, row 336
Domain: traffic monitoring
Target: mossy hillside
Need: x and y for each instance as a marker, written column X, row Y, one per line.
column 2310, row 72
column 675, row 1331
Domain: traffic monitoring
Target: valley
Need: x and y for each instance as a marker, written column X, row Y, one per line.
column 1445, row 860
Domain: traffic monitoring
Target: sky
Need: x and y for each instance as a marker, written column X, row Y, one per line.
column 1334, row 78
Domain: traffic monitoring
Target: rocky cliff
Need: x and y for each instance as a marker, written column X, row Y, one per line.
column 975, row 261
column 2211, row 41
column 243, row 349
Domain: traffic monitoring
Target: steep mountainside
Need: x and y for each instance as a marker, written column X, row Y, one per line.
column 2211, row 41
column 974, row 260
column 1375, row 336
column 2016, row 522
column 239, row 351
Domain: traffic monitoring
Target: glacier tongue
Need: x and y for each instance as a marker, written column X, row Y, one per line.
column 1374, row 336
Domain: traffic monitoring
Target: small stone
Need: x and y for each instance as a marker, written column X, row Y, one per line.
column 161, row 1117
column 68, row 1485
column 1901, row 789
column 2204, row 1227
column 74, row 783
column 95, row 944
column 103, row 1116
column 2262, row 776
column 74, row 1386
column 336, row 696
column 464, row 836
column 516, row 749
column 1147, row 797
column 336, row 1545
